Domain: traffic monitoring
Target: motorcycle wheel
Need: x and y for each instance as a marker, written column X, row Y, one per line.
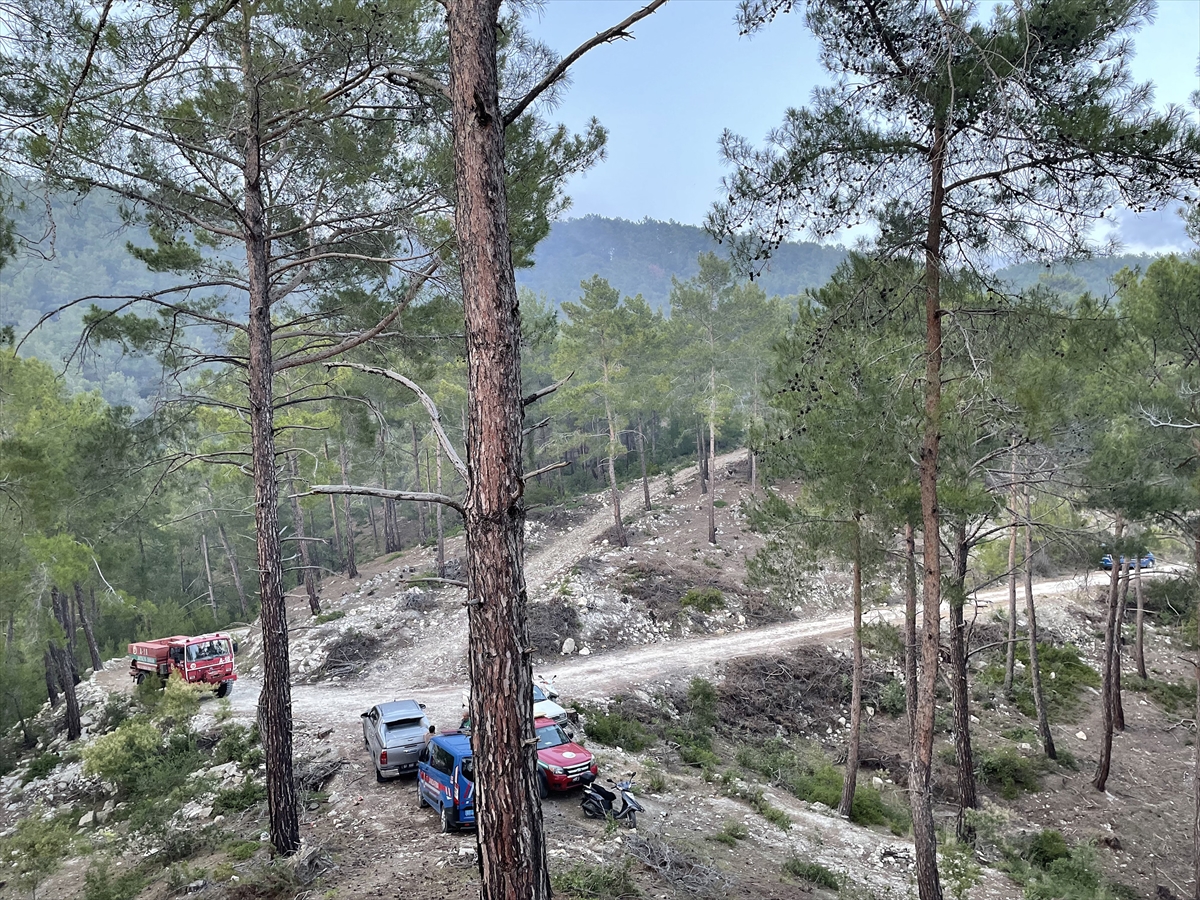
column 590, row 810
column 631, row 819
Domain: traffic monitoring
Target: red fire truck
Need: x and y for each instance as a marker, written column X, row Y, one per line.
column 205, row 659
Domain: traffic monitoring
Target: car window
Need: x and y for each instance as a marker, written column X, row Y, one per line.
column 402, row 725
column 468, row 768
column 550, row 736
column 538, row 694
column 441, row 759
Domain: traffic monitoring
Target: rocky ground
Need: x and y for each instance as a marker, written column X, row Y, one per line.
column 607, row 623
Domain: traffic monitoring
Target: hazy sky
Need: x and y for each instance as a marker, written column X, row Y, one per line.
column 666, row 96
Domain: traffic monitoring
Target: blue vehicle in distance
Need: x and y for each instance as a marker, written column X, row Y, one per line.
column 446, row 779
column 1145, row 562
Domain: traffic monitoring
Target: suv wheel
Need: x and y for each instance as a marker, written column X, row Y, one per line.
column 379, row 777
column 446, row 822
column 543, row 788
column 421, row 804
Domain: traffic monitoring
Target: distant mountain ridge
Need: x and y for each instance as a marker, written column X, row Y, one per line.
column 641, row 258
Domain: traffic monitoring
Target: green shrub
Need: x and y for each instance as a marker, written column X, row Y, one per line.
column 114, row 756
column 705, row 599
column 330, row 616
column 1072, row 877
column 811, row 873
column 892, row 699
column 242, row 850
column 41, row 766
column 958, row 868
column 231, row 800
column 116, row 711
column 1170, row 698
column 102, row 884
column 883, row 638
column 36, row 847
column 613, row 729
column 1046, row 847
column 1062, row 692
column 1007, row 772
column 600, row 881
column 180, row 700
column 240, row 744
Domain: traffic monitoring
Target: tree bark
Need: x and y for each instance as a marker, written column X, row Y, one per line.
column 641, row 447
column 701, row 459
column 337, row 528
column 1139, row 652
column 512, row 851
column 306, row 570
column 1118, row 706
column 910, row 635
column 66, row 621
column 846, row 806
column 275, row 703
column 1106, row 705
column 51, row 677
column 920, row 792
column 614, row 491
column 1196, row 764
column 1035, row 669
column 422, row 510
column 441, row 533
column 62, row 669
column 208, row 579
column 967, row 795
column 88, row 632
column 712, row 467
column 230, row 554
column 1010, row 656
column 351, row 561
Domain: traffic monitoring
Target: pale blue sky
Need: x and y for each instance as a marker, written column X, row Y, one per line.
column 667, row 95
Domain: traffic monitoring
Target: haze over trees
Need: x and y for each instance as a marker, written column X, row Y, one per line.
column 323, row 208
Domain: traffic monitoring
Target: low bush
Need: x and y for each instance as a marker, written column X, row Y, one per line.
column 730, row 834
column 232, row 800
column 600, row 881
column 892, row 699
column 612, row 729
column 101, row 884
column 41, row 766
column 1064, row 678
column 1046, row 847
column 1007, row 772
column 883, row 638
column 240, row 744
column 705, row 599
column 36, row 847
column 811, row 873
column 1072, row 877
column 1170, row 698
column 329, row 616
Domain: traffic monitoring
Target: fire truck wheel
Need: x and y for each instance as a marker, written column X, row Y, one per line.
column 141, row 676
column 225, row 689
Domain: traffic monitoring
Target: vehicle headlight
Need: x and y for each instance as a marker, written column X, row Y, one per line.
column 556, row 770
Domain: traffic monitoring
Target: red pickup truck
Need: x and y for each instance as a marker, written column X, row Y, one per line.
column 204, row 659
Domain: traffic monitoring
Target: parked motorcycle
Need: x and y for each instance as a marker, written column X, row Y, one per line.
column 600, row 803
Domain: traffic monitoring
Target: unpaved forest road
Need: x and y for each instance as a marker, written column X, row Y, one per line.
column 602, row 676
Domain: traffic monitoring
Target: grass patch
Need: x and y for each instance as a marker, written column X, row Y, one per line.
column 1169, row 697
column 811, row 873
column 1064, row 678
column 241, row 851
column 807, row 774
column 602, row 881
column 613, row 729
column 730, row 834
column 331, row 616
column 101, row 884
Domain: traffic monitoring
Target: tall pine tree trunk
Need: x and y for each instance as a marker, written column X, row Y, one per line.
column 614, row 491
column 959, row 690
column 307, row 575
column 63, row 671
column 712, row 472
column 512, row 850
column 441, row 533
column 1100, row 780
column 208, row 579
column 88, row 632
column 1035, row 668
column 351, row 561
column 1196, row 764
column 51, row 677
column 337, row 528
column 921, row 767
column 846, row 806
column 1139, row 652
column 641, row 448
column 1010, row 656
column 275, row 701
column 1118, row 706
column 910, row 635
column 701, row 458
